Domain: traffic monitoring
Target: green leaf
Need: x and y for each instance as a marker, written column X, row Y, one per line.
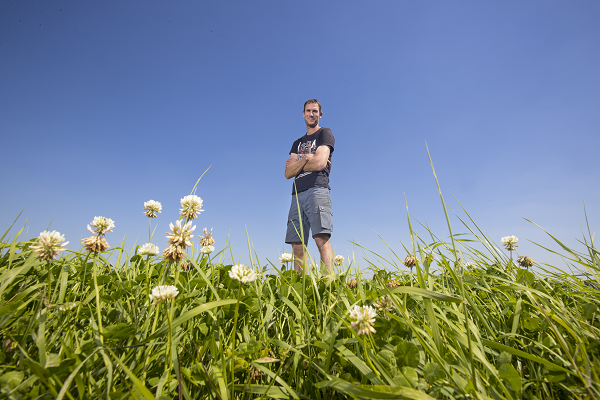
column 119, row 331
column 407, row 354
column 505, row 358
column 373, row 391
column 11, row 379
column 411, row 376
column 549, row 364
column 589, row 310
column 421, row 292
column 512, row 376
column 433, row 372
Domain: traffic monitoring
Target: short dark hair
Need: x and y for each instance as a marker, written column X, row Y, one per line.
column 311, row 101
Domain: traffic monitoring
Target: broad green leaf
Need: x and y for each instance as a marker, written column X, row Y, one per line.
column 510, row 374
column 432, row 372
column 407, row 354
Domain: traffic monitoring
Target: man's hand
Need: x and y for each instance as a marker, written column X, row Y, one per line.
column 293, row 166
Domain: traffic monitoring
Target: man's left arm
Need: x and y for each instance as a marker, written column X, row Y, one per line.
column 319, row 161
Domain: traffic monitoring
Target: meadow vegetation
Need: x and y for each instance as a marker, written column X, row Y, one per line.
column 458, row 317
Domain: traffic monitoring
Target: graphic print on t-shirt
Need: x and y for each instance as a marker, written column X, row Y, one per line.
column 305, row 148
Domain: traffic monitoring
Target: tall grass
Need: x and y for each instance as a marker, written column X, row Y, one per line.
column 465, row 323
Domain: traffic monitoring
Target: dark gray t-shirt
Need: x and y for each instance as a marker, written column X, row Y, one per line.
column 308, row 144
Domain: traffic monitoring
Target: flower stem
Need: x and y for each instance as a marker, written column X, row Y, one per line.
column 235, row 319
column 97, row 298
column 170, row 341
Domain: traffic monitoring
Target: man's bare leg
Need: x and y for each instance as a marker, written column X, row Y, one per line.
column 324, row 246
column 300, row 257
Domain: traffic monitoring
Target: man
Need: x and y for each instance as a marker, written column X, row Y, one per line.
column 310, row 164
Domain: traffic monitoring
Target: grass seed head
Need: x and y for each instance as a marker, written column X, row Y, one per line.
column 49, row 244
column 151, row 208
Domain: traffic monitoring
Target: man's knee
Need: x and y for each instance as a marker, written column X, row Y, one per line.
column 321, row 239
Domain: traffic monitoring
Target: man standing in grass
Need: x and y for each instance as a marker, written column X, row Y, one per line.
column 310, row 164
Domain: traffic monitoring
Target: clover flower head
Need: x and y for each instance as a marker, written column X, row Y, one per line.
column 410, row 261
column 338, row 260
column 191, row 205
column 525, row 262
column 101, row 225
column 163, row 292
column 242, row 273
column 383, row 304
column 362, row 319
column 207, row 239
column 470, row 265
column 148, row 249
column 207, row 249
column 67, row 306
column 353, row 284
column 49, row 244
column 174, row 253
column 95, row 244
column 392, row 284
column 151, row 208
column 510, row 242
column 181, row 235
column 286, row 258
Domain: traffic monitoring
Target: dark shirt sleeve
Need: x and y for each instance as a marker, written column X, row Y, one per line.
column 295, row 146
column 327, row 139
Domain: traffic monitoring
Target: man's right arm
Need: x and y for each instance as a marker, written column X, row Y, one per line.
column 293, row 166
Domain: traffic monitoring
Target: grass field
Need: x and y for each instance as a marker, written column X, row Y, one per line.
column 451, row 318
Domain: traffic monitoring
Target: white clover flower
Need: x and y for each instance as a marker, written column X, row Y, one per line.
column 181, row 235
column 286, row 258
column 148, row 249
column 207, row 249
column 207, row 239
column 338, row 260
column 49, row 244
column 191, row 205
column 470, row 265
column 242, row 273
column 510, row 242
column 151, row 208
column 362, row 319
column 67, row 306
column 163, row 292
column 102, row 225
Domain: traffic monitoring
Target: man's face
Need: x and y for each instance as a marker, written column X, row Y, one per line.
column 312, row 115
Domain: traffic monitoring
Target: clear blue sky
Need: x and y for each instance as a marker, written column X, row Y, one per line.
column 105, row 105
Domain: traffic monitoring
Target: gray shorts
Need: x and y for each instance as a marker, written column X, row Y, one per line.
column 315, row 208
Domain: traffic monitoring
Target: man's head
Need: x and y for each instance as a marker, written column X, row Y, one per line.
column 312, row 113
